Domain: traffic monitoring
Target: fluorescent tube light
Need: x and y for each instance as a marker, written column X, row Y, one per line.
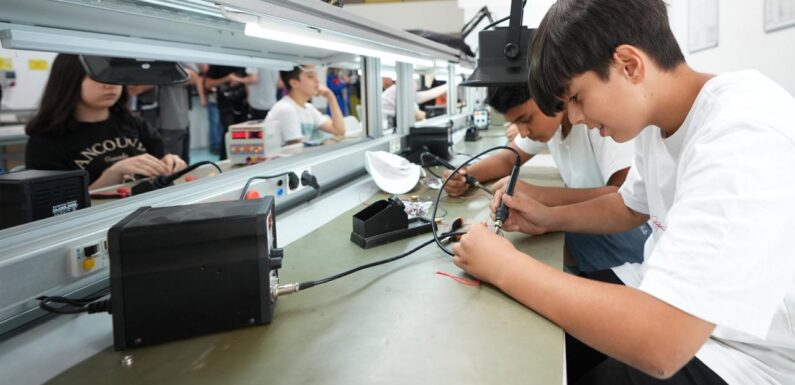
column 55, row 40
column 325, row 40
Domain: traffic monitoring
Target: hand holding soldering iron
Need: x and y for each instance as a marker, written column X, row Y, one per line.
column 525, row 213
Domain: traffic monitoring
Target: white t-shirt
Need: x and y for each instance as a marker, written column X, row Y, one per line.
column 291, row 121
column 721, row 200
column 584, row 158
column 388, row 104
column 262, row 94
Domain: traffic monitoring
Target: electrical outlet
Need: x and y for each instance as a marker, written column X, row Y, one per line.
column 300, row 187
column 394, row 145
column 88, row 258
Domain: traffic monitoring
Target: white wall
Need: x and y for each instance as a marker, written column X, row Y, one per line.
column 438, row 16
column 30, row 83
column 742, row 42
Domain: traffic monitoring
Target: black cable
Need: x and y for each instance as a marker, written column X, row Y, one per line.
column 74, row 305
column 501, row 20
column 309, row 179
column 426, row 166
column 441, row 190
column 292, row 181
column 168, row 179
column 308, row 284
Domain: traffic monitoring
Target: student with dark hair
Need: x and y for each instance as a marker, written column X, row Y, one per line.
column 84, row 124
column 589, row 164
column 712, row 302
column 296, row 120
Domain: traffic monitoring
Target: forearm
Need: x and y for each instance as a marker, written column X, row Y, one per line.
column 605, row 214
column 337, row 123
column 430, row 94
column 498, row 165
column 613, row 319
column 559, row 196
column 210, row 83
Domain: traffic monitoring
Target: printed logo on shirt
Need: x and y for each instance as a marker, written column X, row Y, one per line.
column 308, row 130
column 101, row 148
column 657, row 224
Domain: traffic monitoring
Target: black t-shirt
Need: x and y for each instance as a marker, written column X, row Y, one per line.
column 93, row 146
column 230, row 97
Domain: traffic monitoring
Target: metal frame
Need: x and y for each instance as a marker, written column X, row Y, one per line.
column 371, row 97
column 33, row 259
column 405, row 99
column 32, row 256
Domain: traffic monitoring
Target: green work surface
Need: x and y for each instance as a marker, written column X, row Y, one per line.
column 399, row 323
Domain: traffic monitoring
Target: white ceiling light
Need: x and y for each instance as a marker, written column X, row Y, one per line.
column 87, row 43
column 312, row 37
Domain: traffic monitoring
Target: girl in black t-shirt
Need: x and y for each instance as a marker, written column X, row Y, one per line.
column 84, row 124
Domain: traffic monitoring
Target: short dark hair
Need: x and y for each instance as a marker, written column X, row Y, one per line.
column 56, row 112
column 577, row 36
column 503, row 99
column 294, row 74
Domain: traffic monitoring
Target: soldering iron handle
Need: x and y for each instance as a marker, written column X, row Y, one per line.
column 501, row 214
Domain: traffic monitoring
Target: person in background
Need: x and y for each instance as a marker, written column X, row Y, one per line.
column 337, row 82
column 213, row 115
column 172, row 112
column 84, row 124
column 297, row 120
column 389, row 97
column 230, row 88
column 262, row 89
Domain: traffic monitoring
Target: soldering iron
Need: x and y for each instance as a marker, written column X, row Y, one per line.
column 501, row 214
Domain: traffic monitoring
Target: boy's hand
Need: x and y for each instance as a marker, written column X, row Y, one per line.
column 483, row 254
column 325, row 92
column 457, row 185
column 525, row 213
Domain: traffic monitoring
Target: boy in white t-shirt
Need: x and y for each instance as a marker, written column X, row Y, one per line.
column 589, row 164
column 295, row 119
column 713, row 301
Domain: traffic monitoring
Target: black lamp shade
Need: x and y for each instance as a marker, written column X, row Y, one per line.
column 495, row 67
column 123, row 71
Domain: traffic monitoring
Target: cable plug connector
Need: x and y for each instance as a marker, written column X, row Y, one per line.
column 289, row 288
column 308, row 179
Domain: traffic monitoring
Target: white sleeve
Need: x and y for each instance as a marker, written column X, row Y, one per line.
column 529, row 146
column 284, row 121
column 252, row 70
column 388, row 101
column 726, row 255
column 633, row 190
column 317, row 117
column 611, row 156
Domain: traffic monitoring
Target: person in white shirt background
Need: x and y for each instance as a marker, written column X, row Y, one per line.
column 295, row 119
column 713, row 301
column 589, row 164
column 262, row 90
column 389, row 97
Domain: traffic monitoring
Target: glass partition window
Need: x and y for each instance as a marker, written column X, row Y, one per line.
column 129, row 137
column 431, row 88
